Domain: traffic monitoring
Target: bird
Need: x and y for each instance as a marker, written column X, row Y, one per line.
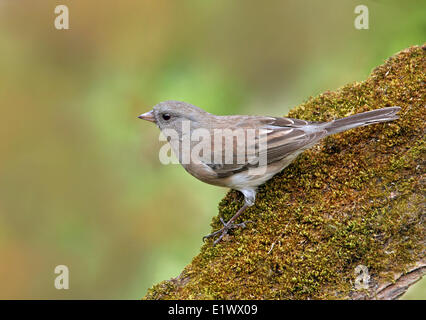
column 284, row 139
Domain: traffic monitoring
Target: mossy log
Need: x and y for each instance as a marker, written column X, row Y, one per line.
column 354, row 202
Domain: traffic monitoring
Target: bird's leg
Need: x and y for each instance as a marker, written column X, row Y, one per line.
column 229, row 225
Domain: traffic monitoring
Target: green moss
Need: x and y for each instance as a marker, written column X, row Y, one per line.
column 356, row 198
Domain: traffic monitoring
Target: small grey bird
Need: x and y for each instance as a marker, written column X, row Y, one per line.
column 286, row 138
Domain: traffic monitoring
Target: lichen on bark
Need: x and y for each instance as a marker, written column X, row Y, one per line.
column 356, row 199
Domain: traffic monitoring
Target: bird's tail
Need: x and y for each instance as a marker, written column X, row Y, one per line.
column 362, row 119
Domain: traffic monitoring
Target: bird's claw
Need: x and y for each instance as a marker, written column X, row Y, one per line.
column 224, row 230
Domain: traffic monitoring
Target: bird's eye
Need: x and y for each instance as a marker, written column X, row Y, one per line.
column 166, row 116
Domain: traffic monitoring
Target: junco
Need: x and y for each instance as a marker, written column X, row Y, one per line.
column 284, row 139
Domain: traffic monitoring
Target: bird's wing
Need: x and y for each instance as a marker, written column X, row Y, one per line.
column 286, row 136
column 283, row 136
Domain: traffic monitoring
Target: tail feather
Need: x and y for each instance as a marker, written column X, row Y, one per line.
column 362, row 119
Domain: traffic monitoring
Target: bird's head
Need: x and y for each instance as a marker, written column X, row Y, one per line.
column 171, row 115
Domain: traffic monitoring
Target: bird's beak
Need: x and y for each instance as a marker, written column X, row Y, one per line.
column 149, row 116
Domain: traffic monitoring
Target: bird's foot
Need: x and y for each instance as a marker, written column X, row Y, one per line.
column 226, row 227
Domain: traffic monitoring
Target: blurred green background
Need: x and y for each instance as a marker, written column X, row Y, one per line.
column 80, row 180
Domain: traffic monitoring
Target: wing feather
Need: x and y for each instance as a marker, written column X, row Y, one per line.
column 284, row 137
